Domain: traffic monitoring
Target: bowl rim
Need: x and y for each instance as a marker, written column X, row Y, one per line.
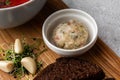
column 17, row 6
column 70, row 50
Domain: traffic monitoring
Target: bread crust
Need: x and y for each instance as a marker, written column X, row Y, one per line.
column 71, row 69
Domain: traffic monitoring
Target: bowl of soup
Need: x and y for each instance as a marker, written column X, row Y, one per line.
column 16, row 12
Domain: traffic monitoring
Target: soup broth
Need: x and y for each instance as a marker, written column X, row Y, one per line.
column 11, row 3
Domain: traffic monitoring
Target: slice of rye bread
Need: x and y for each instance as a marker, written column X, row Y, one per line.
column 71, row 69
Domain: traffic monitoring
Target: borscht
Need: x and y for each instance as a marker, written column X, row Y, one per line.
column 11, row 3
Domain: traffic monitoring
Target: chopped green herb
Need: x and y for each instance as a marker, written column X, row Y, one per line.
column 19, row 71
column 7, row 2
column 39, row 65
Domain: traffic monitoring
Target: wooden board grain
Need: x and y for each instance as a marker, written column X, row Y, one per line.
column 100, row 54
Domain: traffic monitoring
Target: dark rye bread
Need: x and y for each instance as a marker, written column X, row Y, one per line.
column 71, row 69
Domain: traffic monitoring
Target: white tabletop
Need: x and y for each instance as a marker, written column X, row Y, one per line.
column 107, row 15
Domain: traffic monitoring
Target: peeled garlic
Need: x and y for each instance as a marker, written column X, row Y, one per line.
column 30, row 64
column 18, row 46
column 6, row 66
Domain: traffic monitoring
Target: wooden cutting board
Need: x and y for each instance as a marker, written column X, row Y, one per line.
column 100, row 54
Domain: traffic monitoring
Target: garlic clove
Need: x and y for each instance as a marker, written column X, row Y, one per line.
column 30, row 64
column 6, row 66
column 18, row 48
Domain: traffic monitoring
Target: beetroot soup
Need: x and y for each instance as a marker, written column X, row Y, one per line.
column 11, row 3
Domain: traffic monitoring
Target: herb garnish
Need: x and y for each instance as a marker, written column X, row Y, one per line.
column 30, row 50
column 7, row 2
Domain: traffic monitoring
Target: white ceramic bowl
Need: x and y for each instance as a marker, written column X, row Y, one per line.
column 64, row 15
column 17, row 15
